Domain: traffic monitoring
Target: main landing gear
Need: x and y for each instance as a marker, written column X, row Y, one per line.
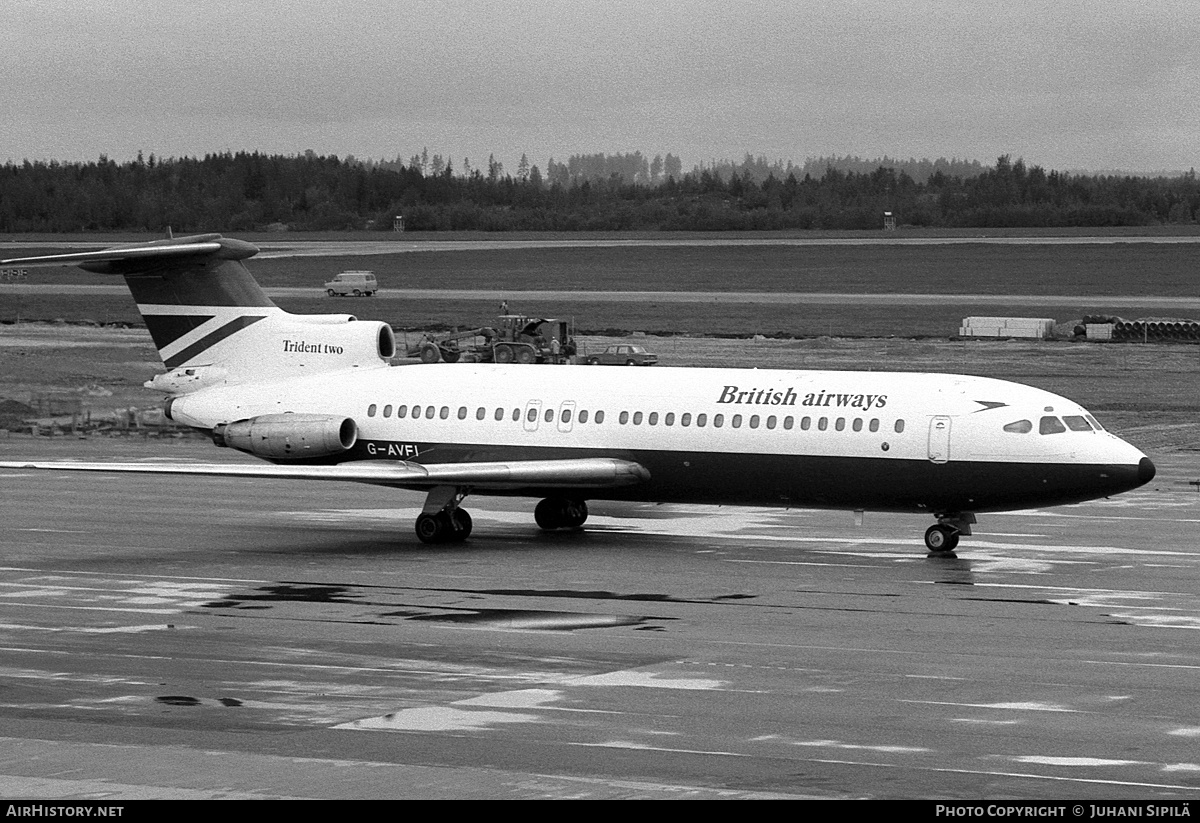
column 560, row 513
column 443, row 521
column 452, row 526
column 942, row 538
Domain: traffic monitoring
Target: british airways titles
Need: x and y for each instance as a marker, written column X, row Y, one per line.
column 771, row 397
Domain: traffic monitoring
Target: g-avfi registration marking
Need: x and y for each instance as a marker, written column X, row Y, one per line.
column 402, row 451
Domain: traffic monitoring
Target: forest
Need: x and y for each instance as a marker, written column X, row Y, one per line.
column 251, row 191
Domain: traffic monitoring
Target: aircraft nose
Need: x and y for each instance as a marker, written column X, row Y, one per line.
column 1146, row 470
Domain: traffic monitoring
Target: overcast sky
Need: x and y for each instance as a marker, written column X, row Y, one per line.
column 1066, row 84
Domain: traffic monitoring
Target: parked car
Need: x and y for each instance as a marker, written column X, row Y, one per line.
column 357, row 283
column 623, row 354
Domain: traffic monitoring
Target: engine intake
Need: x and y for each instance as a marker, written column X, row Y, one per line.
column 289, row 436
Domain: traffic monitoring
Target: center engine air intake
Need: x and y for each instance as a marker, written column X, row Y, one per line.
column 289, row 436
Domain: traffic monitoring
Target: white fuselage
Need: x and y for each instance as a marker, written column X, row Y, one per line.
column 927, row 427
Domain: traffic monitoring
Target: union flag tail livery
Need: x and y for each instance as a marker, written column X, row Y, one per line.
column 314, row 396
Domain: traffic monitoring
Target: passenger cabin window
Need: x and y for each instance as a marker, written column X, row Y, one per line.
column 462, row 412
column 401, row 411
column 899, row 426
column 653, row 419
column 599, row 417
column 371, row 410
column 1019, row 427
column 499, row 414
column 583, row 416
column 623, row 418
column 718, row 420
column 387, row 410
column 701, row 419
column 480, row 413
column 685, row 419
column 445, row 412
column 1050, row 425
column 637, row 418
column 788, row 422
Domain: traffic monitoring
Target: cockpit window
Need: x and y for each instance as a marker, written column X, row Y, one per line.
column 1076, row 423
column 1095, row 423
column 1019, row 427
column 1051, row 425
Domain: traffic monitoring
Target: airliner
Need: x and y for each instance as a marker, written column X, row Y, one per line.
column 317, row 398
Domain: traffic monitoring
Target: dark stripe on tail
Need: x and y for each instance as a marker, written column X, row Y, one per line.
column 209, row 340
column 167, row 328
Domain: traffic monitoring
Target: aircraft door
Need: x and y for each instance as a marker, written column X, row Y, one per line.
column 566, row 416
column 939, row 439
column 533, row 411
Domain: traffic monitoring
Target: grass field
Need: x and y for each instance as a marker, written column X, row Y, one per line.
column 1117, row 269
column 1093, row 270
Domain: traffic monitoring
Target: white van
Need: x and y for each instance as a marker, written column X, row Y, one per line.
column 357, row 283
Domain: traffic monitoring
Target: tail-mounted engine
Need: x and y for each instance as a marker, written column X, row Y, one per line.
column 288, row 344
column 272, row 345
column 289, row 436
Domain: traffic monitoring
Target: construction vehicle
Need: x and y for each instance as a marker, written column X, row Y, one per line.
column 516, row 339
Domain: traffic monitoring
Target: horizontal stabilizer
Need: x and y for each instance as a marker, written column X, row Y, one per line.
column 104, row 255
column 588, row 472
column 109, row 260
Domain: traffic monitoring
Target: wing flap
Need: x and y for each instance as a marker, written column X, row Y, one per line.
column 588, row 472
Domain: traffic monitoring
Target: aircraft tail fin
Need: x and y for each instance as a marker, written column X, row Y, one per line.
column 213, row 324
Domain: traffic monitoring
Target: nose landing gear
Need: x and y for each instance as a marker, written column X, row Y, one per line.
column 942, row 538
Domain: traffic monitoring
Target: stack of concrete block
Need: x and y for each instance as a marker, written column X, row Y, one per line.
column 1035, row 327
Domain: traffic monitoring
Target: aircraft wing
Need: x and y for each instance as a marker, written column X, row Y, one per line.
column 576, row 473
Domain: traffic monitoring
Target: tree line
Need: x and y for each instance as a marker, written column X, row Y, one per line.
column 245, row 191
